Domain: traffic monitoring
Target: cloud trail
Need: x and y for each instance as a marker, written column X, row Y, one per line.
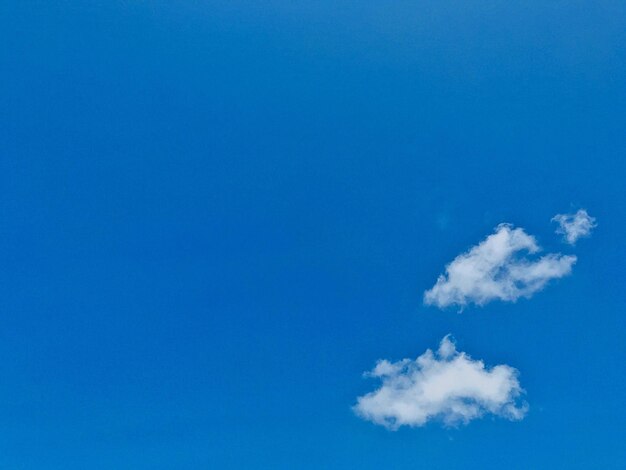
column 498, row 268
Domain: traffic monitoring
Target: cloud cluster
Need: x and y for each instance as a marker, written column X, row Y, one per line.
column 498, row 268
column 574, row 226
column 446, row 385
column 450, row 386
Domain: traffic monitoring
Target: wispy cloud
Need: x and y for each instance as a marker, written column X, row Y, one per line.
column 574, row 226
column 445, row 385
column 498, row 268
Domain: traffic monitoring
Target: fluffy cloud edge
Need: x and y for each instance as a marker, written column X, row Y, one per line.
column 447, row 386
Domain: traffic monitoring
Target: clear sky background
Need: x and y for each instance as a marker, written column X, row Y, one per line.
column 216, row 215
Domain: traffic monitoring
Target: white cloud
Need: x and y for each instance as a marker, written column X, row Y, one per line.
column 495, row 269
column 574, row 226
column 447, row 385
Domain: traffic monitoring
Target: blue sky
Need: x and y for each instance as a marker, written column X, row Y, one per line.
column 215, row 216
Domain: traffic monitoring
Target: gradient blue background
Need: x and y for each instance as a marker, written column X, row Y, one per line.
column 215, row 215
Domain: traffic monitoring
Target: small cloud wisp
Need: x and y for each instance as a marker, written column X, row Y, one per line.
column 574, row 226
